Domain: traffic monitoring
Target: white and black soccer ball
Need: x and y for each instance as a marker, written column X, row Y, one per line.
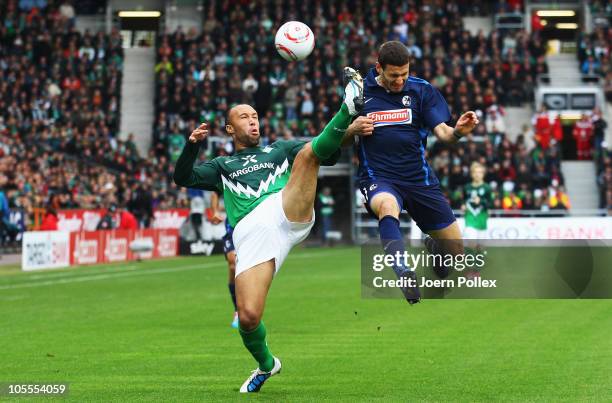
column 294, row 41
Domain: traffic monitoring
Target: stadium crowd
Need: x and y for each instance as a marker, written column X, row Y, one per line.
column 593, row 50
column 59, row 119
column 234, row 60
column 523, row 175
column 60, row 95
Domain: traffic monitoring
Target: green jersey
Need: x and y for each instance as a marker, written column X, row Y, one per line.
column 246, row 178
column 476, row 214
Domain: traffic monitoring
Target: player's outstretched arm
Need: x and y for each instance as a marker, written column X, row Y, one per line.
column 465, row 125
column 216, row 211
column 204, row 176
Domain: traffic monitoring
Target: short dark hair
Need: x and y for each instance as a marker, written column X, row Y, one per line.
column 394, row 53
column 228, row 113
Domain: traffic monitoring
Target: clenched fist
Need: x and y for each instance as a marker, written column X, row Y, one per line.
column 199, row 134
column 362, row 126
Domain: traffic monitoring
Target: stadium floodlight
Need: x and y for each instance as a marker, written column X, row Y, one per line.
column 556, row 13
column 566, row 25
column 139, row 14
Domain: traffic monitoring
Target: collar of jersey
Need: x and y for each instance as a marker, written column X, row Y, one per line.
column 248, row 150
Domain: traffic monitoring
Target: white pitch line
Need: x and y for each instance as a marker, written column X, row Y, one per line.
column 82, row 277
column 79, row 272
column 107, row 276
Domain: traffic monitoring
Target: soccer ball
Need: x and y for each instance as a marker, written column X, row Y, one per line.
column 294, row 41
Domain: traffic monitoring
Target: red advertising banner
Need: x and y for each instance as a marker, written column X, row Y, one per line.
column 87, row 220
column 79, row 220
column 86, row 247
column 171, row 218
column 94, row 247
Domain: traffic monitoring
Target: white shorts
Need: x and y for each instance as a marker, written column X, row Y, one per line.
column 473, row 233
column 266, row 233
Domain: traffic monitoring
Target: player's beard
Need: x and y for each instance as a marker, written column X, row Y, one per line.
column 248, row 140
column 388, row 85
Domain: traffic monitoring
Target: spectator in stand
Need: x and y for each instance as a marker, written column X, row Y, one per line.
column 583, row 134
column 536, row 22
column 127, row 219
column 512, row 202
column 591, row 66
column 141, row 205
column 527, row 138
column 528, row 202
column 263, row 95
column 249, row 88
column 605, row 184
column 541, row 178
column 558, row 200
column 557, row 129
column 494, row 121
column 8, row 229
column 523, row 177
column 607, row 86
column 458, row 177
column 164, row 66
column 507, row 172
column 543, row 127
column 594, row 51
column 4, row 205
column 599, row 130
column 67, row 11
column 108, row 219
column 50, row 220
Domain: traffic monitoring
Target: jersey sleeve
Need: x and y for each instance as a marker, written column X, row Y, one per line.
column 205, row 176
column 435, row 108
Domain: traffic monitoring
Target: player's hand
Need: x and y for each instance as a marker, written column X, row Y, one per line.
column 362, row 126
column 476, row 200
column 199, row 134
column 466, row 123
column 216, row 218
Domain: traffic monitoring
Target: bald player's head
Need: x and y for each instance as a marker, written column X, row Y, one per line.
column 243, row 126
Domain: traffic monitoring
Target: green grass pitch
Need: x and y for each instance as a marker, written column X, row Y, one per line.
column 160, row 331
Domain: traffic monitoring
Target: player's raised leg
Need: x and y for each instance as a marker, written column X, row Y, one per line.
column 251, row 291
column 300, row 192
column 387, row 208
